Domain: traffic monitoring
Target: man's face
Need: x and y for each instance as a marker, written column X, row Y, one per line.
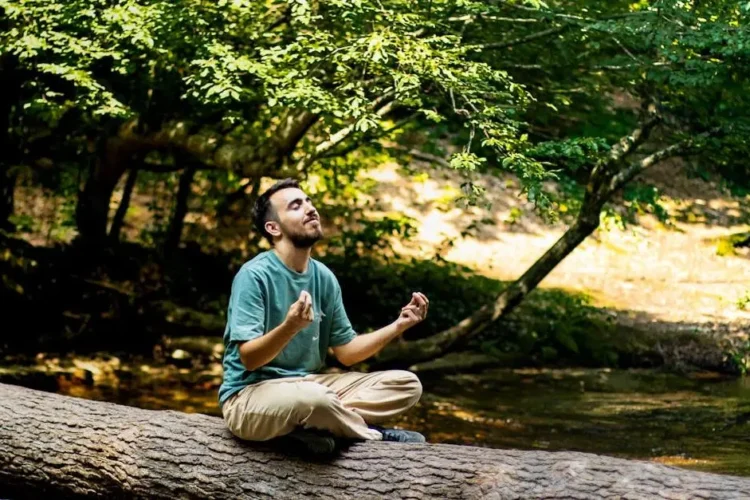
column 296, row 218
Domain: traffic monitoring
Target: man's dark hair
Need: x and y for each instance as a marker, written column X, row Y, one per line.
column 263, row 212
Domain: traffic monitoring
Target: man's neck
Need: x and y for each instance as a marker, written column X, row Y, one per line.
column 293, row 257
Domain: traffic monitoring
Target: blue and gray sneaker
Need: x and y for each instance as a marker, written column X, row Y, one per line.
column 399, row 435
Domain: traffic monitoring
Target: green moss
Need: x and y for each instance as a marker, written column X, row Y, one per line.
column 727, row 245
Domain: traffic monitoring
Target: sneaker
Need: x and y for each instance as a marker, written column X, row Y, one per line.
column 400, row 436
column 308, row 442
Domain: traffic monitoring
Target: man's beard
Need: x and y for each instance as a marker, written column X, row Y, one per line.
column 304, row 240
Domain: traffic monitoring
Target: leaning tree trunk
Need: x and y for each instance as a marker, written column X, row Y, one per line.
column 408, row 353
column 56, row 446
column 606, row 179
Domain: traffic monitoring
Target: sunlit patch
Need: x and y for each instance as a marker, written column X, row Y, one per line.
column 682, row 461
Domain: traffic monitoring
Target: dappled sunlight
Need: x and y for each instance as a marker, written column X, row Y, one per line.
column 670, row 274
column 680, row 461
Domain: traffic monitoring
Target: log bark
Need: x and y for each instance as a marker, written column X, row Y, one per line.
column 54, row 446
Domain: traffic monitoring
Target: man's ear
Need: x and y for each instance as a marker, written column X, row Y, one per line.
column 273, row 228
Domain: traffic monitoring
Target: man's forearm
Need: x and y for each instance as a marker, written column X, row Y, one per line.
column 367, row 344
column 258, row 352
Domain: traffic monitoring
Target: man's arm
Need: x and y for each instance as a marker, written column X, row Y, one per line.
column 368, row 344
column 260, row 351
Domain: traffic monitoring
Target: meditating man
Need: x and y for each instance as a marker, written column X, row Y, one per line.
column 285, row 312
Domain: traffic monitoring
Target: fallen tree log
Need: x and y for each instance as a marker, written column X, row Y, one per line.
column 54, row 446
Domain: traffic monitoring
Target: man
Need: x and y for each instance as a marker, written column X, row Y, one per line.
column 285, row 312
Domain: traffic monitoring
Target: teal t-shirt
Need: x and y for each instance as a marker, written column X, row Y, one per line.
column 262, row 292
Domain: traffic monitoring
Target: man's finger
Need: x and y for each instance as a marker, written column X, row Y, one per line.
column 410, row 308
column 426, row 303
column 411, row 315
column 420, row 299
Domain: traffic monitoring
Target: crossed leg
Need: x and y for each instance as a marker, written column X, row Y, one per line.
column 343, row 404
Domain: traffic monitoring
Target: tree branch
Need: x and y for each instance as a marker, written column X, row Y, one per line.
column 635, row 168
column 421, row 155
column 339, row 136
column 523, row 39
column 351, row 147
column 629, row 143
column 487, row 17
column 208, row 147
column 579, row 18
column 293, row 130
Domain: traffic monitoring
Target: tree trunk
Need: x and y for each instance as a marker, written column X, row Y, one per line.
column 119, row 219
column 224, row 208
column 607, row 178
column 54, row 446
column 7, row 188
column 9, row 75
column 404, row 354
column 92, row 210
column 174, row 233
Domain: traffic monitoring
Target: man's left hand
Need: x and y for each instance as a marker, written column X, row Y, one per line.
column 414, row 312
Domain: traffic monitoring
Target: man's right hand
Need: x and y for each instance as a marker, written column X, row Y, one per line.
column 300, row 313
column 262, row 350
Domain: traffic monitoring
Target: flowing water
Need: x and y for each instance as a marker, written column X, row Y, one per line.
column 698, row 421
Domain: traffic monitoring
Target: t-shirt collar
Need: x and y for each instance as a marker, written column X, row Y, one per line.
column 291, row 271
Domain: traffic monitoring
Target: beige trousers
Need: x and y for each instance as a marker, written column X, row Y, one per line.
column 341, row 403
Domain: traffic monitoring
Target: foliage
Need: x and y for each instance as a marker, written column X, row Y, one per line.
column 377, row 290
column 727, row 245
column 556, row 326
column 243, row 68
column 738, row 356
column 643, row 198
column 542, row 89
column 553, row 326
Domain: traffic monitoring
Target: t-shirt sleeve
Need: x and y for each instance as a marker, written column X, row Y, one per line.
column 247, row 319
column 341, row 328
